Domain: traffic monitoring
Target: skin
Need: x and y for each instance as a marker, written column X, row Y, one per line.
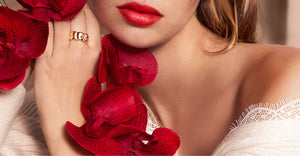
column 196, row 95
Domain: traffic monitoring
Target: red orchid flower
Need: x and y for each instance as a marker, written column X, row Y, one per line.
column 21, row 39
column 45, row 10
column 121, row 64
column 116, row 118
column 110, row 115
column 121, row 129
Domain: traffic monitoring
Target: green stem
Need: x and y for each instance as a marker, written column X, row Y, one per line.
column 2, row 3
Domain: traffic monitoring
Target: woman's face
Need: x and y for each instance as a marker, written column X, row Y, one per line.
column 145, row 23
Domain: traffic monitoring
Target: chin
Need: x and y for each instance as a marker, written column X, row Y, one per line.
column 139, row 41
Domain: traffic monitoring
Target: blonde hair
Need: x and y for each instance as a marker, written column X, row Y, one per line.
column 235, row 20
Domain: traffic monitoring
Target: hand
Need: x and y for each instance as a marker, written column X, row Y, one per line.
column 61, row 74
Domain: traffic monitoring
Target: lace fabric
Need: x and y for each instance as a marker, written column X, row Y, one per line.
column 287, row 108
column 152, row 122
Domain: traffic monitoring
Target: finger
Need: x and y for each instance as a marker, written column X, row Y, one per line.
column 61, row 34
column 92, row 28
column 49, row 47
column 78, row 23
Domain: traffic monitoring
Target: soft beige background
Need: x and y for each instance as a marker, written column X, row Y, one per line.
column 293, row 28
column 280, row 22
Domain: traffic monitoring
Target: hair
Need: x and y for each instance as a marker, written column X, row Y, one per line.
column 234, row 20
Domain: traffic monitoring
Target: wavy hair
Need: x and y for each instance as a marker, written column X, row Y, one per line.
column 234, row 20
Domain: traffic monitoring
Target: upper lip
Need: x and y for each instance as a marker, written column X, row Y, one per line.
column 138, row 7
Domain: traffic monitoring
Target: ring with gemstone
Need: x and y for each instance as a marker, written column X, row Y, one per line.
column 79, row 36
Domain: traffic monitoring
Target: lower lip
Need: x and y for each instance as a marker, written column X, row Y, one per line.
column 138, row 18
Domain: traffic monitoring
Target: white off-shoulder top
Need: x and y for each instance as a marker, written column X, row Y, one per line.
column 262, row 129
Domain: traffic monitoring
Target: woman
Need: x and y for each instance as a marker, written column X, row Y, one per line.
column 210, row 75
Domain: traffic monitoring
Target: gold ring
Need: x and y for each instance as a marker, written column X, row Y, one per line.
column 79, row 36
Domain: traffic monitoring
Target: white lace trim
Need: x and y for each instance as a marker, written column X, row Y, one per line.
column 288, row 108
column 152, row 121
column 151, row 126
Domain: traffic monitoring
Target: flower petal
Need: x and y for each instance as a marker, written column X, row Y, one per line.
column 140, row 118
column 40, row 14
column 39, row 39
column 3, row 54
column 168, row 141
column 71, row 9
column 92, row 92
column 98, row 146
column 58, row 4
column 126, row 65
column 22, row 40
column 123, row 130
column 45, row 10
column 137, row 124
column 116, row 104
column 15, row 26
column 34, row 3
column 13, row 66
column 144, row 143
column 12, row 83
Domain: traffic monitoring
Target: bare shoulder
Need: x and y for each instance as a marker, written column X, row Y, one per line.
column 273, row 76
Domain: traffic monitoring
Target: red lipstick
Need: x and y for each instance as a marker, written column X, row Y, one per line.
column 140, row 14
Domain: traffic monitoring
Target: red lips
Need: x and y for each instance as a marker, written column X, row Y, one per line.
column 140, row 14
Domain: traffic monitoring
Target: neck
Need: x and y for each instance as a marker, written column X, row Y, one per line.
column 178, row 58
column 188, row 39
column 193, row 38
column 180, row 61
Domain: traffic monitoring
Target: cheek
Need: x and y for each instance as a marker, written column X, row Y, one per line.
column 179, row 16
column 100, row 9
column 104, row 8
column 106, row 12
